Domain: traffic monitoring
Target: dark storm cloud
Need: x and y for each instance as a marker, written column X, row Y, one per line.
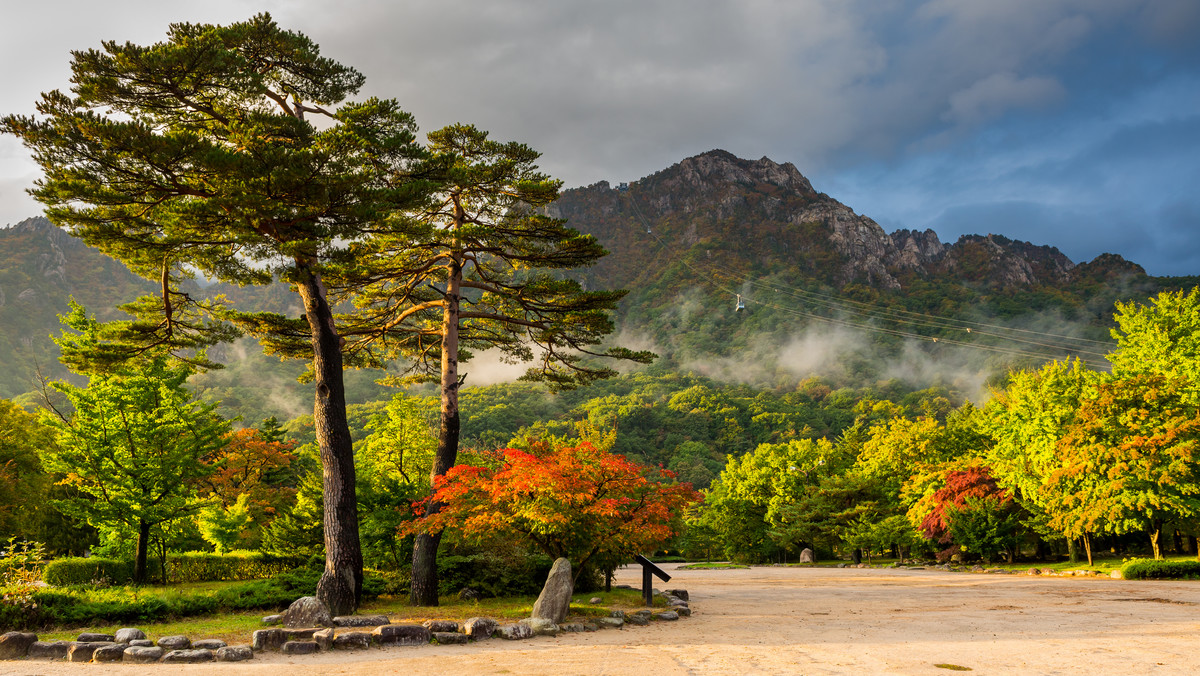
column 913, row 108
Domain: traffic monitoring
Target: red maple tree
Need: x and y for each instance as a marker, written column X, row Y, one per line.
column 580, row 502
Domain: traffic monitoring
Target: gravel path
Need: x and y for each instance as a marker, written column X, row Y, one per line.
column 770, row 620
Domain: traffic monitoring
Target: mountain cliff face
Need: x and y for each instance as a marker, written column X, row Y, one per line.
column 764, row 213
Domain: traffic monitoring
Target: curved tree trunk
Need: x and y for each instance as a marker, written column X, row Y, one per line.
column 424, row 591
column 143, row 547
column 340, row 587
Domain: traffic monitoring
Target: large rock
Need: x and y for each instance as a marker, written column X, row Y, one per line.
column 128, row 634
column 540, row 626
column 48, row 650
column 479, row 628
column 807, row 556
column 361, row 620
column 142, row 643
column 141, row 655
column 93, row 637
column 449, row 637
column 16, row 644
column 208, row 644
column 610, row 622
column 113, row 652
column 679, row 593
column 188, row 656
column 555, row 600
column 667, row 615
column 234, row 653
column 307, row 611
column 402, row 634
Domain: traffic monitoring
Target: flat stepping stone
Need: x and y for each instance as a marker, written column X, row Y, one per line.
column 514, row 632
column 189, row 656
column 361, row 620
column 666, row 616
column 90, row 637
column 142, row 655
column 299, row 648
column 174, row 643
column 402, row 634
column 352, row 640
column 209, row 644
column 449, row 637
column 141, row 643
column 441, row 626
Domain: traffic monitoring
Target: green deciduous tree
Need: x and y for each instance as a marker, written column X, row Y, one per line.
column 1161, row 337
column 197, row 154
column 132, row 446
column 476, row 272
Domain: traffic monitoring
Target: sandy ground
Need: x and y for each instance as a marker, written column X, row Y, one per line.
column 816, row 621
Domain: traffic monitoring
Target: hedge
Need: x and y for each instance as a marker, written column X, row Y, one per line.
column 1151, row 569
column 183, row 567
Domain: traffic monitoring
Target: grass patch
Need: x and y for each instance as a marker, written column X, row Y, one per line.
column 714, row 565
column 234, row 629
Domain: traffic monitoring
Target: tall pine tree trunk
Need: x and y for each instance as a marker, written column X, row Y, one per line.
column 340, row 587
column 424, row 590
column 143, row 547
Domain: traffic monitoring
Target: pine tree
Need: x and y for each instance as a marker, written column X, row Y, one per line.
column 477, row 272
column 197, row 155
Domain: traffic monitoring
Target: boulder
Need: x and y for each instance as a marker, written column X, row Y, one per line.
column 307, row 611
column 141, row 643
column 682, row 611
column 235, row 653
column 81, row 651
column 48, row 650
column 514, row 632
column 541, row 626
column 479, row 628
column 617, row 613
column 641, row 618
column 441, row 626
column 352, row 640
column 267, row 639
column 806, row 556
column 298, row 634
column 555, row 600
column 272, row 620
column 402, row 634
column 16, row 644
column 468, row 594
column 92, row 637
column 174, row 643
column 679, row 593
column 299, row 648
column 573, row 627
column 112, row 652
column 324, row 638
column 666, row 616
column 208, row 644
column 142, row 655
column 128, row 634
column 449, row 637
column 191, row 656
column 360, row 620
column 610, row 622
column 595, row 600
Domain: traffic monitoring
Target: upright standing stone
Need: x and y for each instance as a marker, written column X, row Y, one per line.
column 555, row 599
column 806, row 556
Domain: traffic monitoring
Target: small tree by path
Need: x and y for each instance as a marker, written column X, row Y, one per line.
column 581, row 503
column 132, row 446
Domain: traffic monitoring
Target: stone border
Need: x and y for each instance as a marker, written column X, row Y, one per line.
column 130, row 645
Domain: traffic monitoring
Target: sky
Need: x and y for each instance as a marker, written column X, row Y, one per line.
column 1072, row 123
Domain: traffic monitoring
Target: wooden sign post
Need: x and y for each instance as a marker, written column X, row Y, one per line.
column 649, row 572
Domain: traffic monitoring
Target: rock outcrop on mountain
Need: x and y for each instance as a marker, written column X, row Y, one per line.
column 767, row 216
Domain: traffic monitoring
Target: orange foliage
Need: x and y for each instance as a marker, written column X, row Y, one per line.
column 581, row 503
column 245, row 465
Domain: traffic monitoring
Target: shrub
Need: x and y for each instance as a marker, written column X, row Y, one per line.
column 182, row 567
column 1151, row 569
